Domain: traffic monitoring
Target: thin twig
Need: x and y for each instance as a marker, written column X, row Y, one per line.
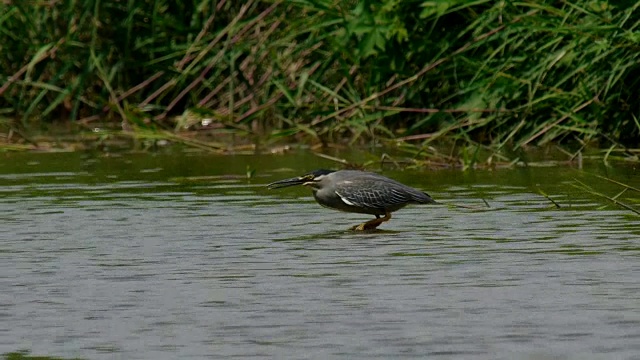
column 465, row 206
column 433, row 111
column 332, row 158
column 618, row 183
column 588, row 189
column 549, row 198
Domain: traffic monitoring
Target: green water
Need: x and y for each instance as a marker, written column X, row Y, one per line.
column 145, row 256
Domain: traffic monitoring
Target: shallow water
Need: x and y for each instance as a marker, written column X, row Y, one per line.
column 140, row 257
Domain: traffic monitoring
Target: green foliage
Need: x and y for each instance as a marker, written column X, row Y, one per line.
column 474, row 74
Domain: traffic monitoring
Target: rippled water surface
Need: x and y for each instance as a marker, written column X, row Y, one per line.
column 166, row 257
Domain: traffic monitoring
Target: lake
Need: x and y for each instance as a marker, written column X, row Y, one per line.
column 167, row 256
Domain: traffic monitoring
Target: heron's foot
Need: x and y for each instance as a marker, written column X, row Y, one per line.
column 365, row 226
column 372, row 224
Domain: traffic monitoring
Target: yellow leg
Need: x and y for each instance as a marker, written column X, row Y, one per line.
column 372, row 224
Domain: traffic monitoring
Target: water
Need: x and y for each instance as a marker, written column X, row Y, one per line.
column 140, row 257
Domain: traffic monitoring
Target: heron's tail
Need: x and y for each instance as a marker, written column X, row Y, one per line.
column 423, row 198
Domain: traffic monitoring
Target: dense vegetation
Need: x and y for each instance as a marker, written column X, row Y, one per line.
column 490, row 75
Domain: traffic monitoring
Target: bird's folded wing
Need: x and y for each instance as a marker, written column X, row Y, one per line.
column 370, row 196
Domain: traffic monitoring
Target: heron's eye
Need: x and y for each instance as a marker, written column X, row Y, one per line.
column 308, row 178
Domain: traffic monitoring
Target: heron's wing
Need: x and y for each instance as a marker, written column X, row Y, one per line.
column 373, row 195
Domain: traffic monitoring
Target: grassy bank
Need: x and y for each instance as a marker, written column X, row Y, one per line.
column 475, row 80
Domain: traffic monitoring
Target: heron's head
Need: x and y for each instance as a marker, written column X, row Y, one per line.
column 310, row 179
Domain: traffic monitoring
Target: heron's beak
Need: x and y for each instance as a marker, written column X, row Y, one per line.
column 287, row 182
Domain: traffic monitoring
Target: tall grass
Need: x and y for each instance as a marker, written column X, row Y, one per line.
column 487, row 78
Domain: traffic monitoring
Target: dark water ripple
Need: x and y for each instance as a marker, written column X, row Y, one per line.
column 151, row 270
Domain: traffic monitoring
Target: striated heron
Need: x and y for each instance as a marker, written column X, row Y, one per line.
column 358, row 192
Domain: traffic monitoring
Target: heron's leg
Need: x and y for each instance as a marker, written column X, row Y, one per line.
column 372, row 224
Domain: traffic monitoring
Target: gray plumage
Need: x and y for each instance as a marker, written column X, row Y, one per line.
column 366, row 193
column 359, row 192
